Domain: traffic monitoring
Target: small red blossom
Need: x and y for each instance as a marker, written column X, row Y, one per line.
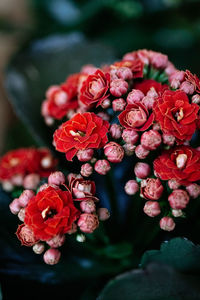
column 95, row 88
column 176, row 115
column 50, row 212
column 171, row 165
column 136, row 116
column 83, row 131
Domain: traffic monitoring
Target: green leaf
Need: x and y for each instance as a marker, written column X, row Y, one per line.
column 156, row 282
column 179, row 253
column 46, row 62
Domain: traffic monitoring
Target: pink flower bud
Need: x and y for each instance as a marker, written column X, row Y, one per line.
column 151, row 139
column 152, row 93
column 88, row 222
column 49, row 121
column 46, row 162
column 88, row 206
column 118, row 104
column 151, row 188
column 152, row 208
column 103, row 214
column 26, row 235
column 178, row 199
column 148, row 102
column 134, row 96
column 86, row 170
column 167, row 224
column 7, row 186
column 187, row 87
column 118, row 87
column 168, row 139
column 85, row 155
column 102, row 166
column 56, row 178
column 38, row 248
column 44, row 108
column 177, row 213
column 170, row 68
column 196, row 99
column 124, row 73
column 114, row 152
column 25, row 197
column 142, row 170
column 175, row 84
column 131, row 187
column 115, row 131
column 15, row 206
column 43, row 187
column 88, row 69
column 193, row 190
column 106, row 103
column 21, row 214
column 17, row 180
column 141, row 152
column 177, row 75
column 130, row 136
column 173, row 184
column 31, row 181
column 158, row 60
column 57, row 241
column 52, row 256
column 129, row 149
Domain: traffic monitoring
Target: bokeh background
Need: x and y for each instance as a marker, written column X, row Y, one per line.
column 168, row 26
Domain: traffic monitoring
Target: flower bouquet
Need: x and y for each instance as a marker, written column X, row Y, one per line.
column 124, row 173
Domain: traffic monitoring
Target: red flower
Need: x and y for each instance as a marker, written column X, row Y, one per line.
column 50, row 212
column 83, row 131
column 95, row 88
column 26, row 235
column 193, row 79
column 136, row 66
column 181, row 163
column 176, row 115
column 136, row 116
column 24, row 161
column 147, row 84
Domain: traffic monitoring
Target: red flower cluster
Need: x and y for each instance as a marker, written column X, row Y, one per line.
column 57, row 210
column 15, row 165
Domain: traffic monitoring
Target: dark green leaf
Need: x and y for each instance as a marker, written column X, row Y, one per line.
column 156, row 282
column 180, row 253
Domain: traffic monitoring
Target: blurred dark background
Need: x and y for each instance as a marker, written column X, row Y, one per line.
column 168, row 26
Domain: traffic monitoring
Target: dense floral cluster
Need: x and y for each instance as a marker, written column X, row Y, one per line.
column 25, row 167
column 143, row 107
column 55, row 210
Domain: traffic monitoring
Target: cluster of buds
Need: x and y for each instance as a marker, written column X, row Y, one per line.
column 25, row 167
column 55, row 210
